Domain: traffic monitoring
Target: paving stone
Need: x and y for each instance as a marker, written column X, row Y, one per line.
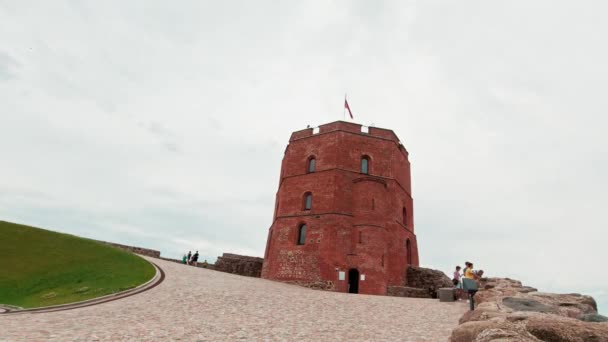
column 196, row 304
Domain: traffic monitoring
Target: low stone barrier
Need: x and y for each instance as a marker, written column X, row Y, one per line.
column 137, row 250
column 239, row 264
column 428, row 279
column 404, row 291
column 199, row 264
column 230, row 263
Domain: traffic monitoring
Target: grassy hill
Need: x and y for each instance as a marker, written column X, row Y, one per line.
column 40, row 267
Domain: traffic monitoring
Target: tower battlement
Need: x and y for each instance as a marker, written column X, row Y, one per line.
column 344, row 126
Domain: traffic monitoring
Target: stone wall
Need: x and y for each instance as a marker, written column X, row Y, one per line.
column 428, row 279
column 411, row 292
column 230, row 263
column 239, row 264
column 137, row 250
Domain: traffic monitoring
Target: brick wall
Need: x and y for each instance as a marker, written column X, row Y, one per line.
column 358, row 223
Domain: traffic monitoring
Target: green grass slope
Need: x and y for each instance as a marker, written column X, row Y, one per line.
column 40, row 267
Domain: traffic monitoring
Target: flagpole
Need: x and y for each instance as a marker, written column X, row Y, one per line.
column 344, row 108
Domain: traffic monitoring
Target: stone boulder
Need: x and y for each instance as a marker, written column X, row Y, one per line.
column 568, row 305
column 428, row 279
column 527, row 304
column 508, row 311
column 483, row 312
column 563, row 329
column 594, row 318
column 492, row 330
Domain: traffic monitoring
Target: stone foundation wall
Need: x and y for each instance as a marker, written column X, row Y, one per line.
column 315, row 285
column 404, row 291
column 239, row 264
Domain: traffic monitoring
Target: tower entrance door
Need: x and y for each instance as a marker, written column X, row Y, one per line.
column 353, row 280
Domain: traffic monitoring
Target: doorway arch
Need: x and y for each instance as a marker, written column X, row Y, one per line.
column 353, row 280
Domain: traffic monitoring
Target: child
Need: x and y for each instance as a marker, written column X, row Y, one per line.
column 456, row 278
column 459, row 294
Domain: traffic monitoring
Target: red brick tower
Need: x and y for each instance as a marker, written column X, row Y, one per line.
column 343, row 216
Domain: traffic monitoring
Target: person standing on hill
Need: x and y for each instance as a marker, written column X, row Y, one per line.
column 194, row 259
column 189, row 257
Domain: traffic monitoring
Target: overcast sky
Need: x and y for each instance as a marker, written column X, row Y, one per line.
column 163, row 124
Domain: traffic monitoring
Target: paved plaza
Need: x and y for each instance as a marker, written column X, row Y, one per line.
column 195, row 304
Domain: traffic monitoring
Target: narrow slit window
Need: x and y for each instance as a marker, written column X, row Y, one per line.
column 365, row 165
column 408, row 252
column 302, row 234
column 312, row 163
column 307, row 201
column 404, row 216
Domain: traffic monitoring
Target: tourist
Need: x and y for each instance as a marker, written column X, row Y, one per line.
column 194, row 259
column 456, row 278
column 466, row 266
column 468, row 271
column 185, row 259
column 189, row 257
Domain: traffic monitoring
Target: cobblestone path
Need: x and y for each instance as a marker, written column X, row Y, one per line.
column 195, row 304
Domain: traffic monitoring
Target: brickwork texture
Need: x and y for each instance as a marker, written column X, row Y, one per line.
column 356, row 232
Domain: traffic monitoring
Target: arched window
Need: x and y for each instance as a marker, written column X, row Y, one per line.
column 365, row 165
column 307, row 201
column 404, row 216
column 312, row 163
column 302, row 234
column 408, row 252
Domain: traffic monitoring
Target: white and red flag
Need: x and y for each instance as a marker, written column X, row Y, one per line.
column 346, row 107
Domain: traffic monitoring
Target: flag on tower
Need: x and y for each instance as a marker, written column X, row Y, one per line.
column 348, row 108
